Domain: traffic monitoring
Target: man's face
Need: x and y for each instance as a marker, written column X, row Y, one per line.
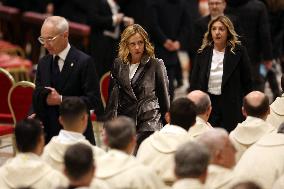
column 53, row 40
column 216, row 7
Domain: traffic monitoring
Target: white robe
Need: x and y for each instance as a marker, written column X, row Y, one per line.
column 276, row 116
column 54, row 152
column 157, row 151
column 121, row 170
column 279, row 184
column 199, row 127
column 188, row 183
column 219, row 177
column 247, row 133
column 28, row 170
column 263, row 162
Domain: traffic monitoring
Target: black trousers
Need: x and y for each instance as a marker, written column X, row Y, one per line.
column 216, row 116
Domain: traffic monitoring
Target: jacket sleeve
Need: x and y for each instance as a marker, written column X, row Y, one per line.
column 194, row 83
column 91, row 89
column 113, row 91
column 162, row 87
column 245, row 72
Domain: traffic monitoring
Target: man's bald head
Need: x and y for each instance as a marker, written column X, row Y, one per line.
column 256, row 104
column 201, row 101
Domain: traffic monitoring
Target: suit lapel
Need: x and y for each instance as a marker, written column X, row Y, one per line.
column 207, row 61
column 68, row 67
column 125, row 82
column 47, row 70
column 140, row 71
column 230, row 63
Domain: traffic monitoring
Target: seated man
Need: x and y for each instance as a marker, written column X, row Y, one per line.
column 27, row 169
column 79, row 167
column 222, row 161
column 203, row 110
column 74, row 118
column 276, row 116
column 255, row 109
column 117, row 167
column 191, row 161
column 157, row 151
column 263, row 162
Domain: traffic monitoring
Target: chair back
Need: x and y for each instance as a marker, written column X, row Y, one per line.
column 104, row 84
column 6, row 83
column 20, row 100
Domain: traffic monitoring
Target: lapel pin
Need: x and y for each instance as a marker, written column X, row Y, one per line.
column 72, row 64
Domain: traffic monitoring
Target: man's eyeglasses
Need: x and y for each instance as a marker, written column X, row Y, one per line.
column 47, row 40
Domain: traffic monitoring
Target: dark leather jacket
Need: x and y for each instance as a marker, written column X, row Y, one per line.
column 144, row 98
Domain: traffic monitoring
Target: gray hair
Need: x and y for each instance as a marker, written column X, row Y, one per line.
column 60, row 23
column 214, row 139
column 191, row 160
column 119, row 132
column 201, row 100
column 281, row 128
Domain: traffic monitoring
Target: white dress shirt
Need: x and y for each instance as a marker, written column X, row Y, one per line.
column 62, row 56
column 216, row 73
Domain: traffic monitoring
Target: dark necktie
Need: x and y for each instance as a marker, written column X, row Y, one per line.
column 55, row 70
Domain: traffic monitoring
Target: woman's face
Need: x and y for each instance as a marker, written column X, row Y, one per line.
column 219, row 33
column 136, row 46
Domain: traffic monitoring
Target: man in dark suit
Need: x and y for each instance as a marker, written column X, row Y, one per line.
column 168, row 27
column 254, row 20
column 64, row 72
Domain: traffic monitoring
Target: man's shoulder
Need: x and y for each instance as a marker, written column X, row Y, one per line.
column 45, row 59
column 79, row 54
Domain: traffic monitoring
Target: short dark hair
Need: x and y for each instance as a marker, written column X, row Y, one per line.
column 246, row 185
column 183, row 113
column 256, row 111
column 281, row 128
column 119, row 132
column 191, row 160
column 28, row 133
column 71, row 108
column 78, row 160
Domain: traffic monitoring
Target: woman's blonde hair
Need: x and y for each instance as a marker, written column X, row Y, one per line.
column 232, row 38
column 123, row 51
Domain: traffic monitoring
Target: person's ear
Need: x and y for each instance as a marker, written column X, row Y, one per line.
column 209, row 110
column 244, row 112
column 61, row 121
column 66, row 34
column 105, row 138
column 168, row 117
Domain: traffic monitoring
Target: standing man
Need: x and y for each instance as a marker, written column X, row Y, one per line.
column 168, row 27
column 64, row 72
column 254, row 20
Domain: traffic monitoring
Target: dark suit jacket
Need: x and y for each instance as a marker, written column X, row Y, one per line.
column 145, row 98
column 78, row 78
column 168, row 20
column 102, row 48
column 236, row 81
column 254, row 21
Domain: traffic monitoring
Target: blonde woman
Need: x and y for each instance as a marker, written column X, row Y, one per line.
column 222, row 70
column 139, row 83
